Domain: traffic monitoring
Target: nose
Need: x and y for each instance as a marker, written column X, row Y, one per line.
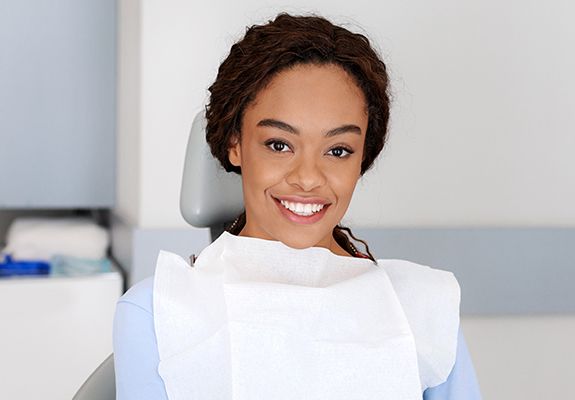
column 306, row 174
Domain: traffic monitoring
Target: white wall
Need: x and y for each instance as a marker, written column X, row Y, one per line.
column 522, row 357
column 128, row 121
column 482, row 124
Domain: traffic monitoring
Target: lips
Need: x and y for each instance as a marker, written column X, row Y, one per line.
column 301, row 219
column 303, row 200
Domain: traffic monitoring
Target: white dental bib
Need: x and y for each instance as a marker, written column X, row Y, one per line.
column 255, row 319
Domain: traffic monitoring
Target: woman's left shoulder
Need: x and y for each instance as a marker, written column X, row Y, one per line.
column 408, row 275
column 428, row 295
column 430, row 298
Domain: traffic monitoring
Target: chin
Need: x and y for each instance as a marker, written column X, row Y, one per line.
column 298, row 245
column 301, row 240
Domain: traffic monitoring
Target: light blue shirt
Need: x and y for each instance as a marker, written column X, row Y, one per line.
column 136, row 356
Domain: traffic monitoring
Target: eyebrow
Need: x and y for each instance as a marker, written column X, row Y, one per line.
column 274, row 123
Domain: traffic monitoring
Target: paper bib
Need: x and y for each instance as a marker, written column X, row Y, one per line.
column 256, row 319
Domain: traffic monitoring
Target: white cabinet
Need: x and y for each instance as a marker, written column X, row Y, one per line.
column 54, row 331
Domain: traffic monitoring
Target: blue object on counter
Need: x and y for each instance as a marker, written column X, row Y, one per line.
column 74, row 266
column 13, row 268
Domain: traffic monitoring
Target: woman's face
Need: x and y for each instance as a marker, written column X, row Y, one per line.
column 300, row 153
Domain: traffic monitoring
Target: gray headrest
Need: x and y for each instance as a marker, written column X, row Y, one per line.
column 210, row 196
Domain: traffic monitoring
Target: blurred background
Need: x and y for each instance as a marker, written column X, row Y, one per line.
column 478, row 176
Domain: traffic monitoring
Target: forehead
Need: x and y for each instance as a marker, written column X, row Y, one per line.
column 326, row 94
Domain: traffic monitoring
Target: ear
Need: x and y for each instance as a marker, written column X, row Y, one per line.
column 235, row 151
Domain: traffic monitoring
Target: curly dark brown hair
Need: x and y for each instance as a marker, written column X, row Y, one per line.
column 263, row 52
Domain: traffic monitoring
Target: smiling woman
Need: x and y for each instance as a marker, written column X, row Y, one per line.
column 316, row 92
column 282, row 305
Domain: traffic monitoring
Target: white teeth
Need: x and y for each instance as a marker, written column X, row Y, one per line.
column 302, row 209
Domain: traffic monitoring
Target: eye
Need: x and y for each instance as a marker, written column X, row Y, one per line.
column 277, row 146
column 339, row 152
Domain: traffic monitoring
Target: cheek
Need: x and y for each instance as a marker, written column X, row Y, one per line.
column 259, row 176
column 343, row 181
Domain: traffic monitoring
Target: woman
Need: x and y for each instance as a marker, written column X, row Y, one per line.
column 283, row 305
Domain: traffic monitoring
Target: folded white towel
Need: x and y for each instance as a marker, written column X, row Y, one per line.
column 40, row 238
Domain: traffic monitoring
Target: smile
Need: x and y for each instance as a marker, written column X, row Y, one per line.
column 302, row 209
column 301, row 213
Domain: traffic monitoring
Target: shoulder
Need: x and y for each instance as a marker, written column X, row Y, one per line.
column 403, row 272
column 416, row 284
column 138, row 298
column 136, row 356
column 134, row 311
column 140, row 295
column 133, row 333
column 430, row 298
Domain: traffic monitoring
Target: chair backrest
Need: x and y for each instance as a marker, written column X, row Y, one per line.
column 101, row 385
column 209, row 195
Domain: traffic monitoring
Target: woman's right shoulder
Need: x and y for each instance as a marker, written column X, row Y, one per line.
column 136, row 356
column 140, row 295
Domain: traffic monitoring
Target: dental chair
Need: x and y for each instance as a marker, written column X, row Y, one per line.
column 210, row 197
